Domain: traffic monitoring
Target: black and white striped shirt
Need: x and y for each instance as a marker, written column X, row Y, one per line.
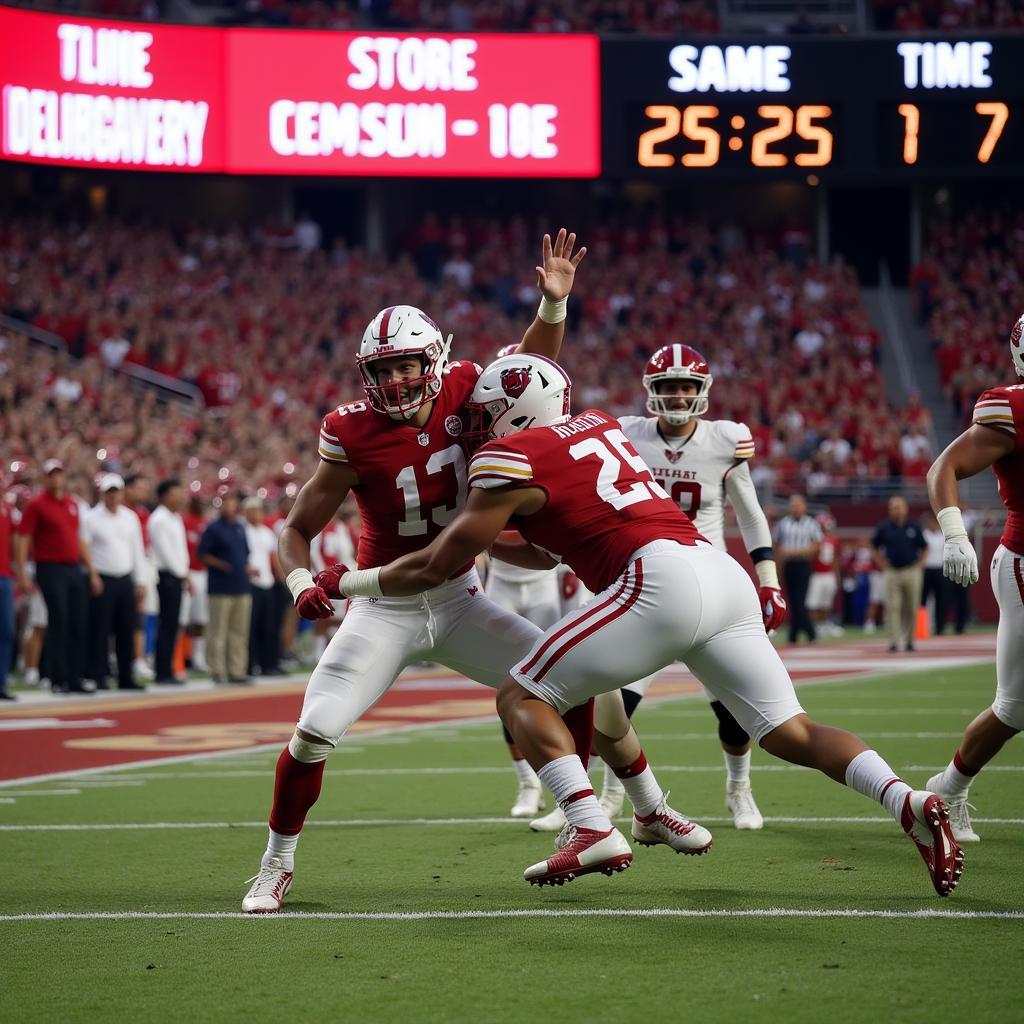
column 797, row 533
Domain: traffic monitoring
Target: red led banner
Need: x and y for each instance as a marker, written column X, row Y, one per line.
column 162, row 97
column 361, row 103
column 111, row 94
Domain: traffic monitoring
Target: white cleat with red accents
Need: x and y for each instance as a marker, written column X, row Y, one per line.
column 583, row 851
column 926, row 820
column 666, row 827
column 268, row 889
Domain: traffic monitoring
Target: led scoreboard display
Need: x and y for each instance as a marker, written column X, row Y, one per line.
column 838, row 108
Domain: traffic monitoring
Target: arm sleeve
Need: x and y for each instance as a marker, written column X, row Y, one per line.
column 331, row 448
column 878, row 540
column 750, row 517
column 205, row 542
column 993, row 410
column 498, row 467
column 158, row 541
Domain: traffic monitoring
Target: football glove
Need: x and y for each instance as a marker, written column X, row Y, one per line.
column 773, row 607
column 959, row 561
column 313, row 603
column 329, row 579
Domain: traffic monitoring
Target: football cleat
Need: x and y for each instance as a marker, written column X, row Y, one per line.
column 664, row 826
column 553, row 822
column 740, row 801
column 925, row 819
column 959, row 813
column 529, row 800
column 585, row 851
column 611, row 800
column 268, row 889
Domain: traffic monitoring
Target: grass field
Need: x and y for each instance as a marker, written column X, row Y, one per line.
column 414, row 824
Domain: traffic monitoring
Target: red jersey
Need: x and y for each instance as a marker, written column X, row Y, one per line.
column 52, row 525
column 5, row 540
column 825, row 560
column 194, row 526
column 411, row 480
column 603, row 503
column 1003, row 409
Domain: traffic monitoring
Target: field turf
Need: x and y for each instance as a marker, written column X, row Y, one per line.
column 414, row 824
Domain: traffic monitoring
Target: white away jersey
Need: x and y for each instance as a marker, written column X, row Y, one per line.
column 694, row 473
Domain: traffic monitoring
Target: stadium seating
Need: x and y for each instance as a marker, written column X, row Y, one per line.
column 266, row 326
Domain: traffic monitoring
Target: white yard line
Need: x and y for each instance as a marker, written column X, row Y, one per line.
column 144, row 826
column 476, row 915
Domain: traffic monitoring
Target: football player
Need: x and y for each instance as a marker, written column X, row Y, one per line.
column 400, row 454
column 576, row 489
column 995, row 438
column 700, row 463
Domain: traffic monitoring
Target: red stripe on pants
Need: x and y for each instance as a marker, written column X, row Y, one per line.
column 586, row 614
column 638, row 586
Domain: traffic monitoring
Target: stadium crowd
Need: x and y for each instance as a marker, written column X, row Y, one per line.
column 640, row 17
column 968, row 287
column 266, row 324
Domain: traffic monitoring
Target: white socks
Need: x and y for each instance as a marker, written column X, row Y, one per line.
column 954, row 784
column 568, row 781
column 283, row 847
column 869, row 775
column 527, row 776
column 738, row 768
column 643, row 791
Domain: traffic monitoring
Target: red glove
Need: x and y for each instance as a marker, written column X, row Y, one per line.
column 773, row 607
column 313, row 603
column 329, row 579
column 570, row 584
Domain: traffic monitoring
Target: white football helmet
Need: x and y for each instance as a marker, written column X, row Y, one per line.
column 1017, row 346
column 677, row 362
column 515, row 393
column 396, row 331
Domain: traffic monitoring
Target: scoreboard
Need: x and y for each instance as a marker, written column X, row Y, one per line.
column 853, row 108
column 84, row 92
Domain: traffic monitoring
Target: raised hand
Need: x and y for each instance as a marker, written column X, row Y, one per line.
column 556, row 275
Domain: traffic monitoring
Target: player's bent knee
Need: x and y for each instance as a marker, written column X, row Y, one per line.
column 1010, row 713
column 308, row 749
column 730, row 732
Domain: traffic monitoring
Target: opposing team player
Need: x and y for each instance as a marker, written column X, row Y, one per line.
column 700, row 463
column 995, row 438
column 576, row 489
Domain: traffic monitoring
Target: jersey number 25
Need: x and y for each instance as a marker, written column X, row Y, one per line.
column 613, row 449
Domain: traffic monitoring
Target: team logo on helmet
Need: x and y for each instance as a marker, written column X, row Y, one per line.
column 514, row 380
column 1015, row 334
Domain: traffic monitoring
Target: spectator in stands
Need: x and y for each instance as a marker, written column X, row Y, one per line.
column 195, row 609
column 115, row 540
column 169, row 542
column 900, row 549
column 798, row 538
column 50, row 525
column 225, row 551
column 264, row 634
column 7, row 628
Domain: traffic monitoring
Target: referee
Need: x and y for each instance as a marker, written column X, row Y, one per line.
column 797, row 538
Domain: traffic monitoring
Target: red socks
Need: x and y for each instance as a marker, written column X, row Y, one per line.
column 296, row 788
column 580, row 722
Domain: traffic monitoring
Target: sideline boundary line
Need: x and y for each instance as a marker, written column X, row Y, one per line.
column 477, row 915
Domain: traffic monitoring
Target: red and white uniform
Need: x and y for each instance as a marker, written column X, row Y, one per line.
column 700, row 471
column 663, row 592
column 1003, row 410
column 195, row 604
column 411, row 484
column 822, row 589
